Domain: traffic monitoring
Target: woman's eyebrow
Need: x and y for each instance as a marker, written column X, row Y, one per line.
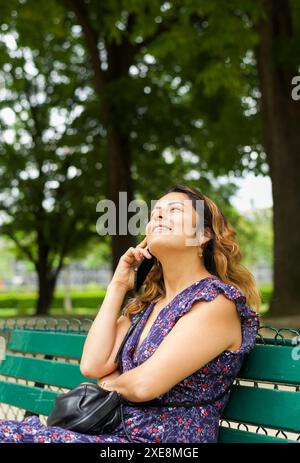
column 170, row 202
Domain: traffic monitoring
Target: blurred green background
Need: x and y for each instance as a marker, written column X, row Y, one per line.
column 125, row 96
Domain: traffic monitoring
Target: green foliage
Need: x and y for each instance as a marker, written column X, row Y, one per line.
column 255, row 236
column 51, row 172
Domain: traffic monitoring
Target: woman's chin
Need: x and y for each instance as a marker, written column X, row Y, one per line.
column 157, row 244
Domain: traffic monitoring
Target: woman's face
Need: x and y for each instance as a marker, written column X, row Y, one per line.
column 175, row 212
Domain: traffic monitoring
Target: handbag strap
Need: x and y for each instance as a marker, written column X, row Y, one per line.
column 130, row 329
column 123, row 423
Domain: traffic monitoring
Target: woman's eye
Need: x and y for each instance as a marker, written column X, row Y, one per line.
column 171, row 209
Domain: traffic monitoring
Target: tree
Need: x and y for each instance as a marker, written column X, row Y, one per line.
column 277, row 55
column 49, row 172
column 46, row 169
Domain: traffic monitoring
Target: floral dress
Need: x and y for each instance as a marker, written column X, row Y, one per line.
column 198, row 424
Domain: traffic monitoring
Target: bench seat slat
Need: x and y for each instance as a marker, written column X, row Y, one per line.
column 266, row 407
column 35, row 399
column 56, row 373
column 231, row 435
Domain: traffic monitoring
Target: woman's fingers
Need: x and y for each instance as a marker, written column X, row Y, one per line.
column 143, row 243
column 146, row 253
column 138, row 253
column 143, row 252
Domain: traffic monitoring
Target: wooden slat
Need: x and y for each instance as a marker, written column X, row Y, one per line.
column 267, row 407
column 236, row 436
column 271, row 363
column 35, row 399
column 67, row 345
column 55, row 373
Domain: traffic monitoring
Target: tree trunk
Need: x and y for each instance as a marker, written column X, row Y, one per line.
column 46, row 291
column 119, row 180
column 46, row 278
column 118, row 165
column 281, row 116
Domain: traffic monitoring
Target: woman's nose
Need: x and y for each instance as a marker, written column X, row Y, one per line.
column 158, row 212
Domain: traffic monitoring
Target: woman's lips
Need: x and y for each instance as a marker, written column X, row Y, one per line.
column 160, row 227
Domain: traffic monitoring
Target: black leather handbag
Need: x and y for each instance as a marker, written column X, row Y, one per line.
column 87, row 409
column 90, row 409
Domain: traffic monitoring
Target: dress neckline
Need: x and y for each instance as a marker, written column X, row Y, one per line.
column 148, row 311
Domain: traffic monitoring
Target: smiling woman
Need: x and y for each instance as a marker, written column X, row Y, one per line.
column 196, row 325
column 191, row 339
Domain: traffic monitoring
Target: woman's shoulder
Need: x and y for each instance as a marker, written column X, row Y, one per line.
column 212, row 287
column 250, row 318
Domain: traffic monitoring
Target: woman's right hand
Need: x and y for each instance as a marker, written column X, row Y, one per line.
column 125, row 273
column 112, row 375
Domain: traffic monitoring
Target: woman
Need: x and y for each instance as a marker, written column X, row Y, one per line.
column 197, row 325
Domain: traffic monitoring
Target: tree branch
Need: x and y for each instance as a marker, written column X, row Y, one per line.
column 91, row 36
column 23, row 248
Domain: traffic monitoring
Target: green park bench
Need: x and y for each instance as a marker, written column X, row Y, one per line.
column 40, row 363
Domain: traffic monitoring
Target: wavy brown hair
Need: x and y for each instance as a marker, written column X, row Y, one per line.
column 221, row 254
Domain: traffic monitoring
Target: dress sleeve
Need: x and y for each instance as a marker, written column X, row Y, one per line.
column 250, row 319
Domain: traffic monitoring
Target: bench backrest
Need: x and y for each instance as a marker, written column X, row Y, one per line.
column 271, row 401
column 257, row 399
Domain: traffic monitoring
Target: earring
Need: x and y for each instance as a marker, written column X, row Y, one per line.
column 200, row 251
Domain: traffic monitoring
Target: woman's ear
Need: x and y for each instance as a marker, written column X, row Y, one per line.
column 207, row 235
column 203, row 242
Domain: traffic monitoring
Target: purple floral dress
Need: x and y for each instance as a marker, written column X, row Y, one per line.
column 164, row 424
